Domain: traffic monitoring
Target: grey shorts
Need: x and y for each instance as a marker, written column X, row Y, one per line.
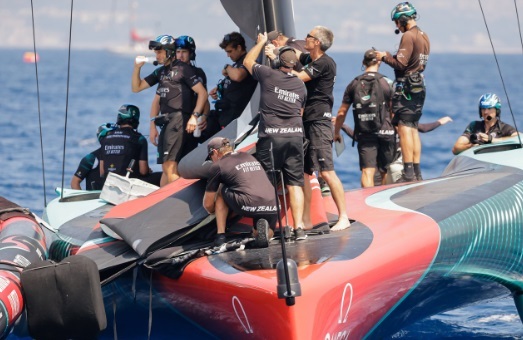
column 170, row 141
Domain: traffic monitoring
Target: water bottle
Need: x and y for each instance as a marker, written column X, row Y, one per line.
column 197, row 132
column 141, row 59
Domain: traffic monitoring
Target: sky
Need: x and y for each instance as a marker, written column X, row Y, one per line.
column 454, row 26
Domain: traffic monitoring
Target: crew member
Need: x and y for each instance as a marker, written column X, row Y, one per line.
column 407, row 102
column 124, row 144
column 174, row 99
column 238, row 182
column 234, row 92
column 280, row 131
column 490, row 129
column 319, row 74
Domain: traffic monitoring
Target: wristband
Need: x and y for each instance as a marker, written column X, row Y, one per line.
column 489, row 139
column 225, row 67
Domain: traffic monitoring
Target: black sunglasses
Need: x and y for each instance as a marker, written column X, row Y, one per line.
column 154, row 45
column 311, row 36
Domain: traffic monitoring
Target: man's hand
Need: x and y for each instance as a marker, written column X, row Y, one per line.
column 269, row 51
column 214, row 93
column 191, row 124
column 153, row 134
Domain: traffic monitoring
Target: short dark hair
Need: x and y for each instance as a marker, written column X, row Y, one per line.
column 235, row 39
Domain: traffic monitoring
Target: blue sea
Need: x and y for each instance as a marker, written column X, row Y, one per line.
column 100, row 81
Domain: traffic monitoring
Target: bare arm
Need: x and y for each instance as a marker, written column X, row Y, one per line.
column 302, row 75
column 75, row 183
column 200, row 106
column 143, row 168
column 138, row 84
column 102, row 168
column 236, row 74
column 155, row 110
column 462, row 144
column 208, row 201
column 252, row 55
column 340, row 119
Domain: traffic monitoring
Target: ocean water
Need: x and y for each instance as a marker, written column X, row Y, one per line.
column 99, row 82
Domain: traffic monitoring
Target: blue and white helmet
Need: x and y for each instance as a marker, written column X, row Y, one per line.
column 403, row 9
column 163, row 42
column 489, row 100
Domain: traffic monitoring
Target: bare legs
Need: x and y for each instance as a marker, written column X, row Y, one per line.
column 170, row 172
column 338, row 196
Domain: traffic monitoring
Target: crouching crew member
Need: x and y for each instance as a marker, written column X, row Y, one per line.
column 238, row 182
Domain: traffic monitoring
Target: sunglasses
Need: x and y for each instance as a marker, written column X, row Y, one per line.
column 210, row 153
column 311, row 37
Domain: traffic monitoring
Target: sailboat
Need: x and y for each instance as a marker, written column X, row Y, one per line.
column 413, row 250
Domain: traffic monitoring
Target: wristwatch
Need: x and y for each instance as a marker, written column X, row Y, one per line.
column 196, row 114
column 225, row 67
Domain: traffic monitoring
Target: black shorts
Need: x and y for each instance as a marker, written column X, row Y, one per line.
column 407, row 112
column 236, row 202
column 170, row 141
column 288, row 157
column 376, row 151
column 318, row 156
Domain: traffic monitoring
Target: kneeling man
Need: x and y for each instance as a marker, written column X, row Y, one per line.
column 238, row 182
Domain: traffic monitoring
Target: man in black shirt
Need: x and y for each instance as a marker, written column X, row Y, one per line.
column 124, row 144
column 238, row 182
column 177, row 83
column 277, row 39
column 375, row 147
column 89, row 167
column 490, row 129
column 234, row 92
column 280, row 130
column 319, row 74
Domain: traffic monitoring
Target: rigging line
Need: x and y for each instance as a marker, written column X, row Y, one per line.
column 519, row 26
column 500, row 74
column 67, row 96
column 38, row 99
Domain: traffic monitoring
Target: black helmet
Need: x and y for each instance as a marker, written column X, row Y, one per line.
column 128, row 114
column 163, row 42
column 185, row 42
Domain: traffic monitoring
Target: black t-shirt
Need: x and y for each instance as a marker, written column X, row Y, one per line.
column 386, row 86
column 203, row 79
column 89, row 169
column 238, row 94
column 322, row 72
column 119, row 147
column 282, row 97
column 175, row 83
column 498, row 130
column 243, row 175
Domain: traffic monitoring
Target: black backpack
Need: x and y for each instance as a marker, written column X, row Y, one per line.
column 368, row 106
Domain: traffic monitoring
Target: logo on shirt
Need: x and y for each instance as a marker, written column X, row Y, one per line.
column 287, row 96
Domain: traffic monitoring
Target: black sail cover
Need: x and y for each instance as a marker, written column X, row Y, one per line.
column 164, row 223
